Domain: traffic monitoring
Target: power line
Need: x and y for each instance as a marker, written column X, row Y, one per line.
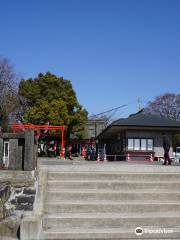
column 112, row 109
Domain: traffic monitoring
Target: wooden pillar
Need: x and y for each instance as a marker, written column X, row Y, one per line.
column 29, row 150
column 62, row 143
column 1, row 152
column 13, row 154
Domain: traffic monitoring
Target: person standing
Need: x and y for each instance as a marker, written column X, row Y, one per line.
column 166, row 146
column 55, row 149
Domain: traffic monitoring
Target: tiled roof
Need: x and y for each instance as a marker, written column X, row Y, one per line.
column 149, row 120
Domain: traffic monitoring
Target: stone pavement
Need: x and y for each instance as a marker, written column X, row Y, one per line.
column 58, row 160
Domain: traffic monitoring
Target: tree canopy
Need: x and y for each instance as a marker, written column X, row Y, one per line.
column 167, row 105
column 52, row 99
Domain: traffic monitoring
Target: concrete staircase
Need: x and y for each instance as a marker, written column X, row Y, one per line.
column 97, row 202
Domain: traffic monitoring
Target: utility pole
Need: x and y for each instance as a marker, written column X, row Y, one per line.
column 95, row 128
column 139, row 102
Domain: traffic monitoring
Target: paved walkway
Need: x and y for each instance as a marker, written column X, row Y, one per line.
column 59, row 161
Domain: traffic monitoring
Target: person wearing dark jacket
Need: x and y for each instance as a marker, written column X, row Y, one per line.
column 166, row 146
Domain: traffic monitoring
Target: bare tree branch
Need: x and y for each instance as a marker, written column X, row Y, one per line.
column 8, row 90
column 167, row 105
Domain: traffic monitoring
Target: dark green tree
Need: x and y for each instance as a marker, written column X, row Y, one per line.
column 52, row 99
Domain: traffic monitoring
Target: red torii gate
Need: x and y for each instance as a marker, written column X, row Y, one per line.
column 16, row 126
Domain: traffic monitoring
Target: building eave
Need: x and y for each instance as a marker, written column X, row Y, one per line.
column 112, row 129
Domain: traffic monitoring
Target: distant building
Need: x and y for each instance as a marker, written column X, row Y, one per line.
column 138, row 137
column 94, row 127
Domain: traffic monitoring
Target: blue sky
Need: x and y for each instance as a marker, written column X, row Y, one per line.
column 113, row 51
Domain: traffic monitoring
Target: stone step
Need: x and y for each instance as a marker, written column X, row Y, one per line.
column 82, row 200
column 110, row 220
column 113, row 176
column 123, row 166
column 90, row 195
column 111, row 233
column 115, row 185
column 110, row 206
